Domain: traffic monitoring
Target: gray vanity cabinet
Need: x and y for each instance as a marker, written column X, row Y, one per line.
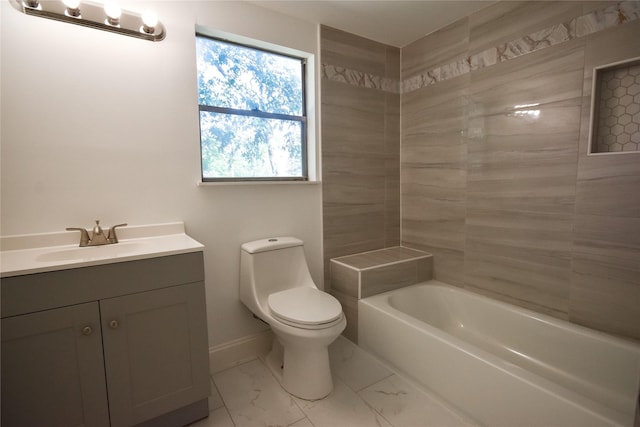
column 63, row 346
column 154, row 352
column 111, row 345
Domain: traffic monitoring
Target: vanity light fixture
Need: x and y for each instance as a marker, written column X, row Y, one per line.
column 34, row 4
column 113, row 12
column 73, row 8
column 149, row 22
column 107, row 16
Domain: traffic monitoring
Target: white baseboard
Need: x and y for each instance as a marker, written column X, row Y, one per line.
column 232, row 353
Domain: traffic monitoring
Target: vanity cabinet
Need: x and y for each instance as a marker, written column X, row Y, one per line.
column 53, row 369
column 128, row 347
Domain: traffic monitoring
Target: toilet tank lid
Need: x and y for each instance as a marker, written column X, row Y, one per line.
column 271, row 244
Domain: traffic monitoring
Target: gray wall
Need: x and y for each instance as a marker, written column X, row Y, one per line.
column 495, row 177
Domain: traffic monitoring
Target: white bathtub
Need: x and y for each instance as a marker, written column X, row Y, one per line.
column 500, row 364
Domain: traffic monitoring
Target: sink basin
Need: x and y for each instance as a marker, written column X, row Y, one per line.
column 38, row 253
column 89, row 253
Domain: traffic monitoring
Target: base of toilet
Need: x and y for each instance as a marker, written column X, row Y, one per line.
column 304, row 374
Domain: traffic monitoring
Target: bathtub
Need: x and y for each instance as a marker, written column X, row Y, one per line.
column 499, row 364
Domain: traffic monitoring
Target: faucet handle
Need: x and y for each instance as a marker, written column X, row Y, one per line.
column 84, row 235
column 112, row 237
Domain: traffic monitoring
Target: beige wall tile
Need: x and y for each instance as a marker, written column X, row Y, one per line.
column 515, row 264
column 601, row 302
column 361, row 145
column 344, row 279
column 378, row 280
column 616, row 194
column 493, row 178
column 548, row 77
column 448, row 264
column 523, row 255
column 350, row 309
column 508, row 20
column 615, row 239
column 605, row 286
column 434, row 174
column 354, row 52
column 437, row 108
column 499, row 202
column 353, row 119
column 605, row 291
column 392, row 64
column 424, row 270
column 439, row 48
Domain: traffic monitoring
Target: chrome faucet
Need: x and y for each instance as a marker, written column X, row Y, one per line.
column 97, row 235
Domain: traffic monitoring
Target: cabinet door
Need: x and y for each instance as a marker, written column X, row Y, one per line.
column 156, row 352
column 53, row 369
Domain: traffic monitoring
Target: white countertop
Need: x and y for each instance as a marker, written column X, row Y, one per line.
column 38, row 253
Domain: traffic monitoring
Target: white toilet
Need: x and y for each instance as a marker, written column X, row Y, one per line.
column 276, row 286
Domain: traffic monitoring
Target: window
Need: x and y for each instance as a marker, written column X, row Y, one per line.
column 253, row 123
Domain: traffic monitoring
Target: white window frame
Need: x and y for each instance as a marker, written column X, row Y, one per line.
column 311, row 86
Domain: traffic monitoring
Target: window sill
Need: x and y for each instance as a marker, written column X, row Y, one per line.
column 234, row 183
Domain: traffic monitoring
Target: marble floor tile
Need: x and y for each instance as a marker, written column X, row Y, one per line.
column 342, row 407
column 302, row 423
column 404, row 405
column 355, row 367
column 217, row 418
column 253, row 397
column 215, row 400
column 249, row 395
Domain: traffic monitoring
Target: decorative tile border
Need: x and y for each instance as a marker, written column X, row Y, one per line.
column 592, row 22
column 359, row 78
column 618, row 14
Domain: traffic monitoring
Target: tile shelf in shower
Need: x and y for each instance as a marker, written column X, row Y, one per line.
column 615, row 108
column 357, row 276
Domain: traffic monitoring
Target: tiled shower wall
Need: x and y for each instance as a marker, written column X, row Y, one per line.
column 496, row 181
column 360, row 145
column 495, row 177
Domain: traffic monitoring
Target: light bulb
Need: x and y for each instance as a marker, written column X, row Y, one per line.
column 149, row 21
column 113, row 12
column 73, row 8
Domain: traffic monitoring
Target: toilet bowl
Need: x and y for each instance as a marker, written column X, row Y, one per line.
column 275, row 284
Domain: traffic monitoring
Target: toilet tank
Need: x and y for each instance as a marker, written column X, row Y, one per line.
column 271, row 265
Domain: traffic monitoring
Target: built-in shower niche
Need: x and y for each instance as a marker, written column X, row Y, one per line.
column 615, row 108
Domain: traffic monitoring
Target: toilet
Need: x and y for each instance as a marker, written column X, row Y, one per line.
column 275, row 284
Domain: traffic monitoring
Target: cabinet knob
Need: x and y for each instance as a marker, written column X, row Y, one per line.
column 114, row 324
column 87, row 330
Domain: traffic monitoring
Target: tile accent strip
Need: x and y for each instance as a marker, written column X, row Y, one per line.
column 359, row 78
column 618, row 14
column 581, row 26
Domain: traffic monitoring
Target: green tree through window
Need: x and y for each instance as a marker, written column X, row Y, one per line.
column 252, row 113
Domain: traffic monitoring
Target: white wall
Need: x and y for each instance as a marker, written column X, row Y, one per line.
column 101, row 126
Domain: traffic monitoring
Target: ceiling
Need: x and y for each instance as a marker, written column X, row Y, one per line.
column 396, row 23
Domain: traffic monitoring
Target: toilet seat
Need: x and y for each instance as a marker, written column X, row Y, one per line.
column 306, row 308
